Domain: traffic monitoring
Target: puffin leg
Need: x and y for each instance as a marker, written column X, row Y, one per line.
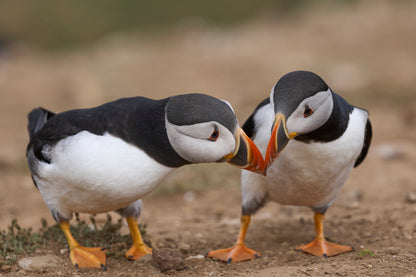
column 320, row 246
column 83, row 256
column 138, row 249
column 239, row 252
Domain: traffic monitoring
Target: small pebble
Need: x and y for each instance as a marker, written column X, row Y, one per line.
column 39, row 263
column 393, row 250
column 189, row 196
column 146, row 258
column 407, row 236
column 411, row 198
column 352, row 205
column 168, row 259
column 184, row 246
column 388, row 152
column 195, row 257
column 351, row 199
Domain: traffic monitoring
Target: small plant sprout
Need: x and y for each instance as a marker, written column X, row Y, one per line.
column 365, row 252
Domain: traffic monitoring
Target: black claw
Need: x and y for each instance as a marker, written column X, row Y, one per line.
column 105, row 248
column 76, row 265
column 300, row 249
column 206, row 255
column 131, row 256
column 103, row 267
column 256, row 255
column 353, row 249
column 325, row 255
column 229, row 260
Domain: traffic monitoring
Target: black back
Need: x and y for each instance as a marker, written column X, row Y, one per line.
column 137, row 120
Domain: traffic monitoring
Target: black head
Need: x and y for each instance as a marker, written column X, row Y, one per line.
column 293, row 88
column 188, row 109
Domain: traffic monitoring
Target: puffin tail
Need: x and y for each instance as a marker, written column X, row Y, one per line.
column 37, row 118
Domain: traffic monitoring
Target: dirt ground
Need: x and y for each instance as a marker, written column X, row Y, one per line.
column 365, row 52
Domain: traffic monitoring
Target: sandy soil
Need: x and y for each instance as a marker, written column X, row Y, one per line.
column 365, row 52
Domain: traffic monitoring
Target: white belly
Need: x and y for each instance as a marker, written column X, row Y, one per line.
column 96, row 174
column 312, row 174
column 305, row 176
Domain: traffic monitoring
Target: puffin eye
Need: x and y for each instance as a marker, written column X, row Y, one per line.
column 307, row 112
column 215, row 134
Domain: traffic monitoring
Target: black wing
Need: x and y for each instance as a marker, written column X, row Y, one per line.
column 37, row 118
column 113, row 117
column 367, row 142
column 248, row 126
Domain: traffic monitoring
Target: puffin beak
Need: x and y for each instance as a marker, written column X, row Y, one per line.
column 246, row 154
column 279, row 139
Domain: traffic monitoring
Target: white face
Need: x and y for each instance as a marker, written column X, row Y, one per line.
column 195, row 142
column 303, row 121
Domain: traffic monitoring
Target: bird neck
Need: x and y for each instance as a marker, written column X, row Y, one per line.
column 148, row 132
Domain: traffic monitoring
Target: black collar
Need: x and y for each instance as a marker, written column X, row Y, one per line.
column 335, row 126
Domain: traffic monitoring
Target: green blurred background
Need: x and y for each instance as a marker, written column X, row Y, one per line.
column 57, row 24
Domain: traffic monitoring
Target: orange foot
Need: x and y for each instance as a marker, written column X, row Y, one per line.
column 321, row 247
column 88, row 257
column 136, row 252
column 237, row 253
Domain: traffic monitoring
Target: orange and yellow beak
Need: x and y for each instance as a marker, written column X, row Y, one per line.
column 246, row 154
column 279, row 139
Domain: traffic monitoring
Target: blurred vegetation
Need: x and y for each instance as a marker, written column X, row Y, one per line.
column 57, row 24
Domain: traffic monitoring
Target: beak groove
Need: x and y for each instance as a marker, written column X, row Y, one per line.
column 278, row 140
column 246, row 154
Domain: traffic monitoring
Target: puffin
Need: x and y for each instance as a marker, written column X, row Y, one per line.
column 311, row 139
column 108, row 157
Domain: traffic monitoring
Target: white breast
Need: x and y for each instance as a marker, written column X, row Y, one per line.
column 311, row 174
column 96, row 174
